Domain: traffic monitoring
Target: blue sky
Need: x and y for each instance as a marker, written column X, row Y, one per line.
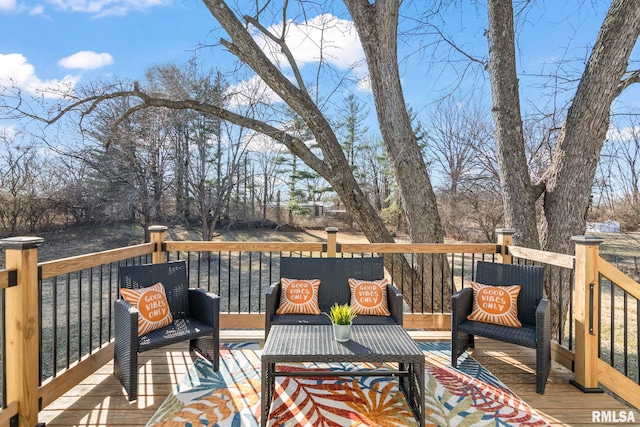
column 124, row 44
column 44, row 42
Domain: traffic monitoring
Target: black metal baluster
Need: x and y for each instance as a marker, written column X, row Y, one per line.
column 90, row 309
column 68, row 307
column 54, row 330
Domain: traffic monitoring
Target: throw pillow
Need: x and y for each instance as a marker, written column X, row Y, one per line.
column 369, row 297
column 299, row 296
column 152, row 304
column 495, row 304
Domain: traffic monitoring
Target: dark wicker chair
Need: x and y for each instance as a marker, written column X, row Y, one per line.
column 334, row 274
column 196, row 317
column 533, row 313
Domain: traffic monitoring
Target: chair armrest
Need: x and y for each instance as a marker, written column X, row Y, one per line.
column 125, row 329
column 395, row 303
column 125, row 318
column 204, row 306
column 543, row 321
column 461, row 305
column 272, row 301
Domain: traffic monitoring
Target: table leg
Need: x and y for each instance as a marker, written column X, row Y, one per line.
column 267, row 389
column 412, row 386
column 419, row 371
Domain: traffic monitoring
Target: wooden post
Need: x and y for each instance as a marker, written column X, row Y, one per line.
column 332, row 236
column 157, row 237
column 586, row 316
column 22, row 328
column 505, row 239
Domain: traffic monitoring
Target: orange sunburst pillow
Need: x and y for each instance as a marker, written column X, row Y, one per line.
column 495, row 304
column 299, row 296
column 369, row 297
column 152, row 304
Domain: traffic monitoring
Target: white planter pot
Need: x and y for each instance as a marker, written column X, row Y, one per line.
column 342, row 333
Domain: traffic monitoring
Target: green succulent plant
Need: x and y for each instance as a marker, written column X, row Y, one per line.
column 341, row 314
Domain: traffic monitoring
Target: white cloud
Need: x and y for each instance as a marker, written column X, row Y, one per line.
column 107, row 7
column 86, row 60
column 324, row 37
column 250, row 92
column 7, row 133
column 15, row 7
column 623, row 134
column 260, row 143
column 8, row 5
column 16, row 72
column 364, row 84
column 36, row 10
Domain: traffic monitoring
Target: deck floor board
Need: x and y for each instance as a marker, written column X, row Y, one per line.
column 99, row 400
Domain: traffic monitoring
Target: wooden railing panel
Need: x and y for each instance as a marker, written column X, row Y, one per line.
column 413, row 248
column 559, row 260
column 621, row 280
column 55, row 387
column 81, row 262
column 241, row 321
column 9, row 412
column 617, row 382
column 428, row 321
column 59, row 385
column 244, row 246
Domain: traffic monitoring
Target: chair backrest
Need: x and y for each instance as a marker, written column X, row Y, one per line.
column 333, row 274
column 173, row 275
column 530, row 278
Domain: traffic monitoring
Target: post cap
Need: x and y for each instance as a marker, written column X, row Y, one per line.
column 587, row 240
column 331, row 229
column 507, row 231
column 22, row 242
column 157, row 228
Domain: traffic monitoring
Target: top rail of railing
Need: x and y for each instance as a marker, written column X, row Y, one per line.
column 426, row 248
column 543, row 257
column 621, row 280
column 81, row 262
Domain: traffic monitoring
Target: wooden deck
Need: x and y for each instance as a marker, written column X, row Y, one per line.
column 99, row 400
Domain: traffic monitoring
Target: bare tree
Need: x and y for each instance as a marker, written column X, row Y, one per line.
column 21, row 193
column 377, row 25
column 566, row 185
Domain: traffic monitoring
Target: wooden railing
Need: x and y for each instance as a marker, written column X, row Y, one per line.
column 30, row 386
column 614, row 373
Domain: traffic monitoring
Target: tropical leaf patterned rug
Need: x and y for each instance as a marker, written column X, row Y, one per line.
column 467, row 396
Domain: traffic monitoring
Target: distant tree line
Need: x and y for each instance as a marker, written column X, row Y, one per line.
column 181, row 166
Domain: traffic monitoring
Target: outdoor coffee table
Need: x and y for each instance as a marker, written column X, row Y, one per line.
column 369, row 344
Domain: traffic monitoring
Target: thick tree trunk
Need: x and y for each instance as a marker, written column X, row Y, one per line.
column 377, row 26
column 568, row 182
column 517, row 193
column 570, row 177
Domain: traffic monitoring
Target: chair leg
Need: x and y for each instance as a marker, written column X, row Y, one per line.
column 459, row 345
column 454, row 350
column 125, row 369
column 216, row 350
column 543, row 366
column 209, row 348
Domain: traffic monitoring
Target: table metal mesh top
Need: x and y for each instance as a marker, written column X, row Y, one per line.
column 315, row 343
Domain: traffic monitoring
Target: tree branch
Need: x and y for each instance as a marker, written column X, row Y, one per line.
column 459, row 50
column 296, row 145
column 283, row 47
column 634, row 77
